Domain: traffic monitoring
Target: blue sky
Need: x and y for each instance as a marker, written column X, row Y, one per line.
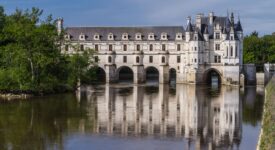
column 255, row 14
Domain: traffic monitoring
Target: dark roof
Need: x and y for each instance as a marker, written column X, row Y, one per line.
column 189, row 27
column 89, row 32
column 239, row 26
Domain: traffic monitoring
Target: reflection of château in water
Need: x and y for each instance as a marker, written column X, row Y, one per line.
column 208, row 119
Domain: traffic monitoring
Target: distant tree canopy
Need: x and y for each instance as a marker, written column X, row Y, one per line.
column 259, row 50
column 30, row 54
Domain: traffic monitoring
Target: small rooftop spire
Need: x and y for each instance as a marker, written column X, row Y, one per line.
column 206, row 30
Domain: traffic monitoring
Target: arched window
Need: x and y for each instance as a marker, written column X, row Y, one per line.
column 109, row 59
column 231, row 51
column 163, row 47
column 137, row 59
column 163, row 59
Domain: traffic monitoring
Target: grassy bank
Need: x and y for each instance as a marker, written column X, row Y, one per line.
column 267, row 138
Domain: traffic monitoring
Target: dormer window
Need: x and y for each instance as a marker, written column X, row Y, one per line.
column 125, row 36
column 151, row 36
column 110, row 36
column 82, row 36
column 179, row 36
column 96, row 37
column 138, row 36
column 163, row 36
column 67, row 37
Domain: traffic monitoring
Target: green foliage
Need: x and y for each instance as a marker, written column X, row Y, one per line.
column 259, row 50
column 30, row 55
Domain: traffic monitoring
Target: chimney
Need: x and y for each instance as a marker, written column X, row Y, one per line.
column 59, row 25
column 199, row 20
column 188, row 20
column 211, row 18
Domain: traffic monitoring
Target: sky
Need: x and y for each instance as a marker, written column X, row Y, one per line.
column 254, row 14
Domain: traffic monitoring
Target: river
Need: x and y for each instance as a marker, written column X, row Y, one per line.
column 134, row 117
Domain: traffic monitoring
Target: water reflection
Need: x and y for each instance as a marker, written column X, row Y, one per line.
column 196, row 117
column 206, row 117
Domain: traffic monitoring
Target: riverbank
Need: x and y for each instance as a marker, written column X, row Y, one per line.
column 267, row 135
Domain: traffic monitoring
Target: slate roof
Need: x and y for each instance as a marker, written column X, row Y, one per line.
column 89, row 32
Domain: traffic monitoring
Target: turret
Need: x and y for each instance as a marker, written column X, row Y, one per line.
column 189, row 30
column 59, row 24
column 239, row 29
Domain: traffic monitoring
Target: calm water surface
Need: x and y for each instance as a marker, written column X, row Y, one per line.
column 130, row 117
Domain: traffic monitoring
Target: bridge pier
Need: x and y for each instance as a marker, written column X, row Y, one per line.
column 163, row 74
column 110, row 73
column 139, row 74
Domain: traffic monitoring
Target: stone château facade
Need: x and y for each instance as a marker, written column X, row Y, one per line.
column 210, row 44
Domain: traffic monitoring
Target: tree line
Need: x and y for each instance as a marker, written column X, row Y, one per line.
column 31, row 58
column 259, row 50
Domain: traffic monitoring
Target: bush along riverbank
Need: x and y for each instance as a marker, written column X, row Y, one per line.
column 267, row 136
column 31, row 58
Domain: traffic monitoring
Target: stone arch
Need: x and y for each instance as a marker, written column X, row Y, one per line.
column 212, row 76
column 151, row 74
column 100, row 74
column 172, row 75
column 125, row 74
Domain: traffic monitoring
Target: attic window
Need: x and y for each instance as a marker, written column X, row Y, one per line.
column 164, row 36
column 125, row 36
column 96, row 37
column 67, row 36
column 196, row 38
column 110, row 36
column 151, row 36
column 81, row 36
column 138, row 36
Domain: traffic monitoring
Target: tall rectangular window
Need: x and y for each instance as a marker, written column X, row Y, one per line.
column 178, row 59
column 218, row 36
column 151, row 47
column 138, row 47
column 110, row 47
column 125, row 47
column 219, row 59
column 215, row 59
column 82, row 47
column 125, row 59
column 217, row 46
column 96, row 59
column 96, row 47
column 163, row 47
column 178, row 47
column 150, row 59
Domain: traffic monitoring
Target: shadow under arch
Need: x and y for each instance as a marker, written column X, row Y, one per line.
column 125, row 74
column 100, row 75
column 151, row 74
column 172, row 75
column 212, row 77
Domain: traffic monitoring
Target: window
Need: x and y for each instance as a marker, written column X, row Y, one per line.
column 231, row 51
column 151, row 47
column 231, row 37
column 125, row 59
column 218, row 36
column 138, row 47
column 226, row 51
column 96, row 59
column 195, row 38
column 109, row 59
column 217, row 46
column 195, row 48
column 150, row 59
column 236, row 52
column 66, row 47
column 110, row 47
column 178, row 47
column 81, row 47
column 96, row 47
column 125, row 47
column 163, row 59
column 195, row 60
column 178, row 59
column 137, row 59
column 163, row 47
column 217, row 59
